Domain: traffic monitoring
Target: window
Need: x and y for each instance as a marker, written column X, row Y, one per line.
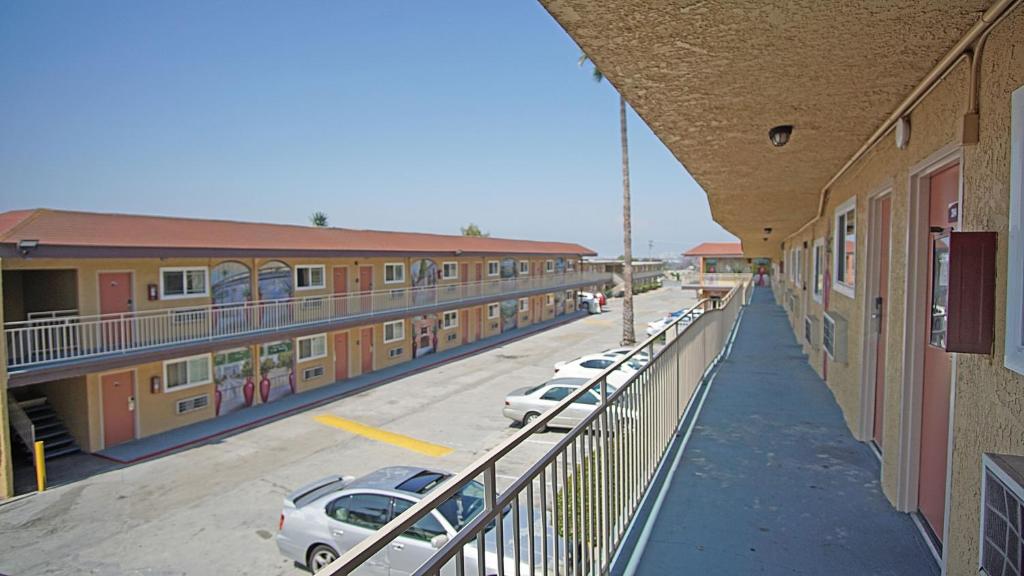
column 493, row 267
column 394, row 331
column 524, row 304
column 187, row 372
column 549, row 265
column 394, row 273
column 588, row 399
column 524, row 267
column 845, row 248
column 370, row 511
column 451, row 319
column 493, row 311
column 425, row 528
column 550, row 299
column 1013, row 357
column 818, row 269
column 312, row 347
column 309, row 277
column 597, row 364
column 570, row 265
column 450, row 270
column 177, row 283
column 556, row 393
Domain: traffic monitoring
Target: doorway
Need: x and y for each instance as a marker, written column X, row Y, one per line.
column 877, row 319
column 340, row 356
column 118, row 391
column 366, row 349
column 340, row 290
column 366, row 286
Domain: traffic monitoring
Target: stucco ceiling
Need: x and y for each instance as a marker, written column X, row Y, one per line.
column 712, row 77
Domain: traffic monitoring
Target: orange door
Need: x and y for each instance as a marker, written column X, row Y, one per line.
column 931, row 488
column 340, row 287
column 464, row 272
column 479, row 272
column 464, row 322
column 340, row 356
column 115, row 298
column 366, row 346
column 882, row 312
column 365, row 286
column 476, row 320
column 118, row 408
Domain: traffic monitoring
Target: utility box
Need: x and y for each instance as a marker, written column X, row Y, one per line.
column 972, row 292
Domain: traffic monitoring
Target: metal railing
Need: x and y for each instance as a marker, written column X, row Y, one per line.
column 569, row 511
column 52, row 339
column 20, row 422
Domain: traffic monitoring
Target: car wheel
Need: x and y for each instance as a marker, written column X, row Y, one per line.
column 529, row 418
column 320, row 556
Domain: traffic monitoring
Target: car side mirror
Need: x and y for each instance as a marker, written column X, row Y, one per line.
column 437, row 542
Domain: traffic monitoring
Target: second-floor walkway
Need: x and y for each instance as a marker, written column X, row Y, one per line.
column 771, row 481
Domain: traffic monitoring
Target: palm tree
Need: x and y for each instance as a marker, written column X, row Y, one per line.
column 318, row 219
column 628, row 335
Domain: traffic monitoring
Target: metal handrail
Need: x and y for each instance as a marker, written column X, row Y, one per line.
column 626, row 434
column 31, row 342
column 21, row 423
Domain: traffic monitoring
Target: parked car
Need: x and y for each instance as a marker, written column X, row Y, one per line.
column 593, row 364
column 641, row 356
column 525, row 404
column 594, row 303
column 656, row 326
column 324, row 519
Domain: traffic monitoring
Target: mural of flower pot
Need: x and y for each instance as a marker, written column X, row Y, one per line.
column 232, row 369
column 264, row 389
column 250, row 391
column 291, row 380
column 278, row 370
column 216, row 402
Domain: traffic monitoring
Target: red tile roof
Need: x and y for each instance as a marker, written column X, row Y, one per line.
column 84, row 230
column 713, row 249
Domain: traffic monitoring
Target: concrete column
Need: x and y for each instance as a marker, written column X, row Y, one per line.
column 6, row 468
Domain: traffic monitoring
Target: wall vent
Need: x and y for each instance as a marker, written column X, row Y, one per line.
column 833, row 336
column 1002, row 515
column 453, row 337
column 811, row 332
column 395, row 352
column 192, row 404
column 314, row 372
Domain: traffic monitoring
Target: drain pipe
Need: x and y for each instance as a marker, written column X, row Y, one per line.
column 977, row 33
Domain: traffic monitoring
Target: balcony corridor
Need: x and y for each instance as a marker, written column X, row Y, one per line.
column 771, row 481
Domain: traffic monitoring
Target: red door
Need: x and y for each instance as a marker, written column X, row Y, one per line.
column 931, row 488
column 340, row 287
column 115, row 298
column 882, row 311
column 476, row 320
column 118, row 408
column 340, row 356
column 464, row 323
column 366, row 346
column 479, row 272
column 365, row 286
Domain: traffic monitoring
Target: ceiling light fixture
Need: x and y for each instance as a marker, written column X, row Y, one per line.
column 780, row 134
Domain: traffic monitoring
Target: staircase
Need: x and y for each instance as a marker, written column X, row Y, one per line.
column 48, row 427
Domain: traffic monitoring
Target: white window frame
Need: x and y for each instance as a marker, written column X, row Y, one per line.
column 397, row 331
column 315, row 356
column 323, row 277
column 570, row 265
column 1013, row 350
column 396, row 266
column 524, row 304
column 184, row 282
column 549, row 266
column 454, row 266
column 818, row 269
column 447, row 324
column 493, row 311
column 187, row 359
column 839, row 240
column 497, row 267
column 524, row 266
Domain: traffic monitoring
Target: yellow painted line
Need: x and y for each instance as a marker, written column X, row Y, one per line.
column 384, row 436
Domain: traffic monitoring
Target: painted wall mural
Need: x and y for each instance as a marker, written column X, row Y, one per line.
column 424, row 277
column 509, row 314
column 275, row 281
column 424, row 332
column 559, row 303
column 230, row 283
column 233, row 375
column 277, row 370
column 508, row 268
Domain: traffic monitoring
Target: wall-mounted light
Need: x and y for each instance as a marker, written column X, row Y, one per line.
column 154, row 385
column 902, row 133
column 780, row 134
column 26, row 246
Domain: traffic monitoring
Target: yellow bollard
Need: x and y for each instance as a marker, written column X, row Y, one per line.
column 40, row 466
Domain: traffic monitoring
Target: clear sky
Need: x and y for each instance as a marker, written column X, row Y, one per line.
column 417, row 116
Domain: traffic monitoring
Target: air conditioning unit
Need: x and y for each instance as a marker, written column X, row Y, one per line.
column 833, row 336
column 1002, row 514
column 811, row 333
column 313, row 372
column 192, row 404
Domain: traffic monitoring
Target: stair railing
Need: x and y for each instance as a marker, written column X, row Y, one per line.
column 20, row 422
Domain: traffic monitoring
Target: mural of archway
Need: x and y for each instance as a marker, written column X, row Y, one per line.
column 275, row 280
column 233, row 375
column 424, row 335
column 509, row 268
column 277, row 370
column 424, row 278
column 230, row 283
column 560, row 265
column 509, row 314
column 559, row 302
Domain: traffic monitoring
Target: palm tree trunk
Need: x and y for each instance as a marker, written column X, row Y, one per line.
column 628, row 336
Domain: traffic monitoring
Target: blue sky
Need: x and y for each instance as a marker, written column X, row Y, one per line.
column 418, row 116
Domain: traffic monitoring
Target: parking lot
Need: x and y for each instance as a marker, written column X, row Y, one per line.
column 214, row 507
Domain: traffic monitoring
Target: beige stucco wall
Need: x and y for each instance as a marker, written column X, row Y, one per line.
column 6, row 469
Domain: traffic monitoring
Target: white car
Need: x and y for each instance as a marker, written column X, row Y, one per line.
column 593, row 364
column 658, row 325
column 641, row 356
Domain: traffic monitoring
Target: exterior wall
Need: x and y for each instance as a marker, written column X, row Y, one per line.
column 6, row 468
column 987, row 403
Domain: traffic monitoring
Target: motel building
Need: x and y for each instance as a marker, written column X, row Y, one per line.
column 120, row 327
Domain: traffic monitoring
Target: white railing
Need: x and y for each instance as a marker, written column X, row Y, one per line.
column 60, row 338
column 569, row 511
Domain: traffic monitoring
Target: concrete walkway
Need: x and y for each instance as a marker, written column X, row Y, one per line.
column 772, row 482
column 159, row 444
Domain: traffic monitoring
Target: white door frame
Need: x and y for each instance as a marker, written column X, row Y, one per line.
column 914, row 335
column 865, row 432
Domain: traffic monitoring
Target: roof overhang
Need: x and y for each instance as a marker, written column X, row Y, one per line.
column 712, row 77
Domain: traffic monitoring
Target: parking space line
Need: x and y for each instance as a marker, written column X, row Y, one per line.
column 392, row 438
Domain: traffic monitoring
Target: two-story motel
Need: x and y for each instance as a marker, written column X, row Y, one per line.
column 129, row 326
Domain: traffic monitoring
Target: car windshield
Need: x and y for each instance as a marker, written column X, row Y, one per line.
column 461, row 508
column 633, row 364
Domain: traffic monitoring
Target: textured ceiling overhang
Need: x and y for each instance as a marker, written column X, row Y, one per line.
column 712, row 77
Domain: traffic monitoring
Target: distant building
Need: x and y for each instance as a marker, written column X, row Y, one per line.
column 645, row 272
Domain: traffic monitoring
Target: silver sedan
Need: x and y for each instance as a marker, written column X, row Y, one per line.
column 525, row 404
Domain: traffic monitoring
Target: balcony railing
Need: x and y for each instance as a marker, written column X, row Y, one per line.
column 568, row 513
column 56, row 338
